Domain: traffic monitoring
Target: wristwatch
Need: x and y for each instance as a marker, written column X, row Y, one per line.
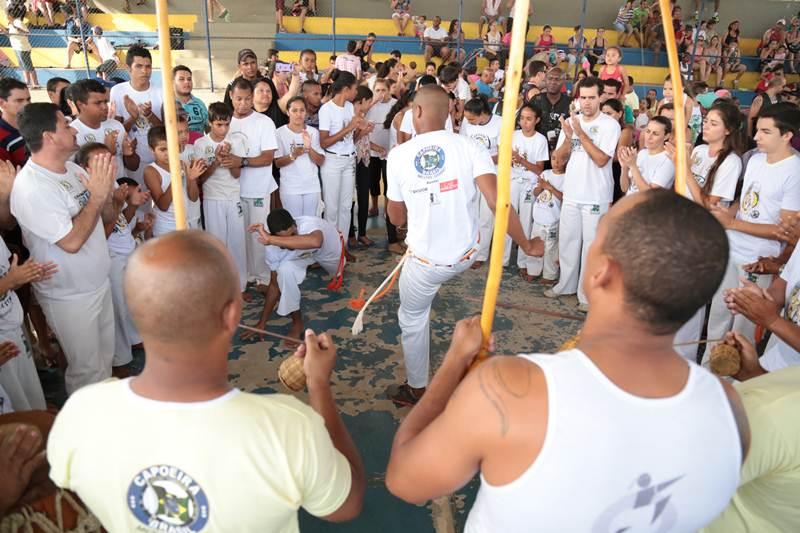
column 245, row 162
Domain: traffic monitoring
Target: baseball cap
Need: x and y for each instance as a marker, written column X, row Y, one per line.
column 246, row 53
column 781, row 21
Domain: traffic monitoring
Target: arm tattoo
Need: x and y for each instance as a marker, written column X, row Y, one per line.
column 497, row 402
column 493, row 385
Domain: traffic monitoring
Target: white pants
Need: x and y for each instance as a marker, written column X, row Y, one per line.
column 485, row 229
column 576, row 231
column 547, row 265
column 419, row 284
column 18, row 376
column 690, row 332
column 338, row 179
column 225, row 221
column 522, row 202
column 720, row 319
column 85, row 329
column 125, row 332
column 255, row 211
column 301, row 205
column 291, row 273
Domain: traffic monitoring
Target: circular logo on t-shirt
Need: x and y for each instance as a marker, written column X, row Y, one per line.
column 793, row 305
column 165, row 498
column 429, row 162
column 749, row 203
column 544, row 197
column 90, row 138
column 482, row 139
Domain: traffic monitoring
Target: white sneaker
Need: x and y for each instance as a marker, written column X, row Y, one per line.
column 583, row 308
column 550, row 293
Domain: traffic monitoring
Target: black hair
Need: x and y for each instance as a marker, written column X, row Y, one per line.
column 294, row 99
column 309, row 83
column 155, row 135
column 180, row 68
column 400, row 104
column 385, row 67
column 616, row 84
column 426, row 79
column 533, row 107
column 85, row 151
column 785, row 115
column 308, row 51
column 351, row 46
column 125, row 180
column 448, row 75
column 9, row 84
column 52, row 83
column 219, row 111
column 664, row 121
column 63, row 105
column 34, row 120
column 396, row 53
column 591, row 82
column 535, row 67
column 430, row 64
column 279, row 220
column 241, row 83
column 732, row 119
column 689, row 275
column 614, row 104
column 341, row 81
column 137, row 50
column 362, row 93
column 478, row 106
column 80, row 90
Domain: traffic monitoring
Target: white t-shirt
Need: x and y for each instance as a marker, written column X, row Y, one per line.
column 533, row 148
column 334, row 119
column 168, row 466
column 463, row 91
column 725, row 179
column 121, row 241
column 91, row 135
column 778, row 354
column 256, row 132
column 44, row 204
column 301, row 176
column 380, row 135
column 349, row 63
column 434, row 34
column 492, row 7
column 767, row 190
column 193, row 208
column 139, row 130
column 434, row 175
column 18, row 35
column 329, row 252
column 407, row 124
column 10, row 309
column 656, row 170
column 221, row 185
column 585, row 182
column 104, row 48
column 547, row 208
column 486, row 135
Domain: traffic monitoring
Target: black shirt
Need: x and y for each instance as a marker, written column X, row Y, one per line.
column 550, row 125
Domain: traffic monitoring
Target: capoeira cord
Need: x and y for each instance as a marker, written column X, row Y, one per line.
column 380, row 292
column 338, row 279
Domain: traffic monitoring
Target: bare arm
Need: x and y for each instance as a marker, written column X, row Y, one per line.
column 294, row 90
column 162, row 199
column 398, row 213
column 310, row 241
column 326, row 140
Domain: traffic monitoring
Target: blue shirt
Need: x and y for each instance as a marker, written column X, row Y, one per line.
column 483, row 88
column 198, row 114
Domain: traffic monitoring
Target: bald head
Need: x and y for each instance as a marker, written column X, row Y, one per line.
column 180, row 286
column 431, row 108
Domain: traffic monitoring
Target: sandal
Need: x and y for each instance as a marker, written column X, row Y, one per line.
column 403, row 395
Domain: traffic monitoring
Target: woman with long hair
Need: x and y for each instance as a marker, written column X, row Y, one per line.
column 379, row 139
column 339, row 128
column 456, row 39
column 616, row 110
column 392, row 123
column 364, row 147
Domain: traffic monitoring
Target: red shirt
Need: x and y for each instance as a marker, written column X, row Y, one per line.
column 12, row 145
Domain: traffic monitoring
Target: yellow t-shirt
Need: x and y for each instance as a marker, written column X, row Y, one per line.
column 768, row 498
column 241, row 462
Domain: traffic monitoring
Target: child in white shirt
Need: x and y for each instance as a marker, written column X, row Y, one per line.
column 546, row 214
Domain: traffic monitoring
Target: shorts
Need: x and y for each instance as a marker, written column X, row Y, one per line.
column 24, row 60
column 486, row 19
column 400, row 14
column 626, row 28
column 280, row 5
column 437, row 49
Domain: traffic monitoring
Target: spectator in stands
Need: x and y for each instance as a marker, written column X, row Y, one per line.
column 280, row 7
column 79, row 37
column 18, row 36
column 248, row 69
column 793, row 44
column 613, row 69
column 435, row 40
column 45, row 8
column 184, row 297
column 108, row 54
column 490, row 12
column 577, row 41
column 764, row 100
column 732, row 64
column 14, row 96
column 732, row 35
column 401, row 15
column 623, row 23
column 58, row 207
column 194, row 107
column 300, row 9
column 492, row 42
column 349, row 62
column 308, row 66
column 364, row 51
column 456, row 38
column 597, row 48
column 54, row 87
column 712, row 61
column 554, row 105
column 224, row 14
column 776, row 33
column 545, row 41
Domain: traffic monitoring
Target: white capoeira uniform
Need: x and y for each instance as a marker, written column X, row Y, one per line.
column 152, row 94
column 434, row 175
column 767, row 191
column 488, row 136
column 299, row 188
column 222, row 203
column 779, row 354
column 165, row 220
column 534, row 150
column 291, row 265
column 546, row 213
column 588, row 192
column 338, row 172
column 121, row 245
column 77, row 300
column 18, row 376
column 97, row 135
column 257, row 133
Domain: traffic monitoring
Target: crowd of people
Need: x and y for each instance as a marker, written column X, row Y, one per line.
column 284, row 173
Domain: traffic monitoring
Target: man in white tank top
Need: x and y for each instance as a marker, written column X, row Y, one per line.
column 619, row 434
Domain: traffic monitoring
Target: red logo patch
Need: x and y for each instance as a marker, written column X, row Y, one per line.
column 451, row 185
